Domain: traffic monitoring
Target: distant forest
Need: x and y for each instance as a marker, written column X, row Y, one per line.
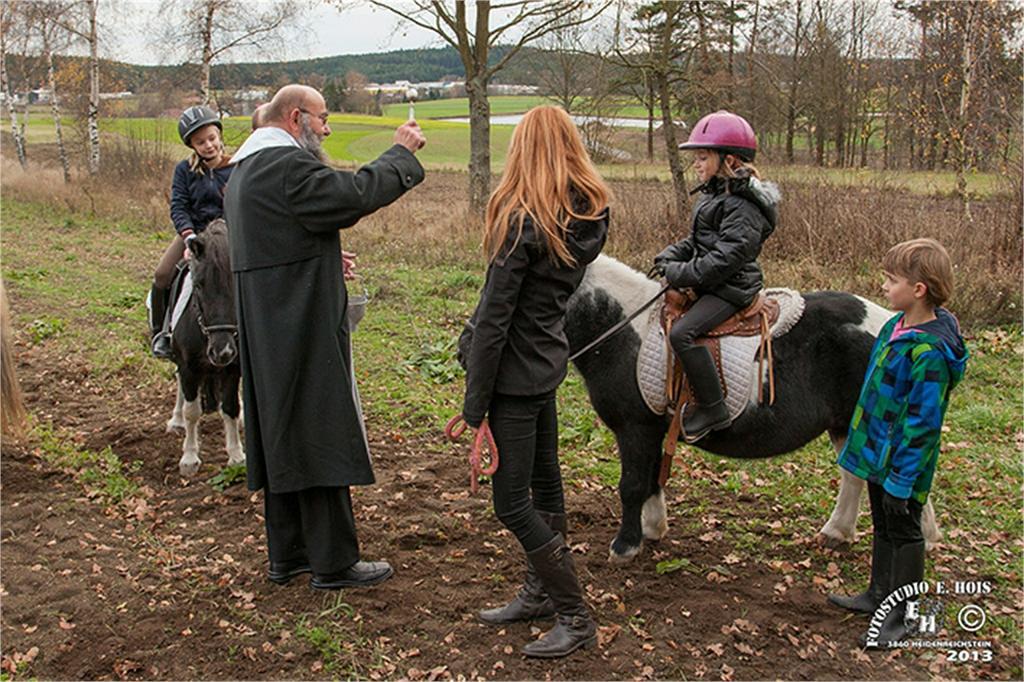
column 381, row 67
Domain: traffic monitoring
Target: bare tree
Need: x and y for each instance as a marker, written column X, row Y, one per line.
column 10, row 24
column 83, row 25
column 658, row 47
column 207, row 30
column 43, row 19
column 565, row 70
column 515, row 23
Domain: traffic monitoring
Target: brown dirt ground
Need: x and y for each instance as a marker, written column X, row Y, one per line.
column 171, row 586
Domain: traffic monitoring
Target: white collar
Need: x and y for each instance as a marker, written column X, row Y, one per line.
column 263, row 138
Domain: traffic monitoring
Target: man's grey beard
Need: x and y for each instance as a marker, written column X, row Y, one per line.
column 310, row 140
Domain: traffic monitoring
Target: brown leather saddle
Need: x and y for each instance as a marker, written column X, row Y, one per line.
column 754, row 320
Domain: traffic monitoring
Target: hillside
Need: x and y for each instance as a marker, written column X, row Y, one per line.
column 415, row 65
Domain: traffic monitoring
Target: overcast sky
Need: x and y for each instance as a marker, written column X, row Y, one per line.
column 354, row 31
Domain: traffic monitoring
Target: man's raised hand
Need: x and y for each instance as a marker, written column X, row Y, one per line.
column 410, row 136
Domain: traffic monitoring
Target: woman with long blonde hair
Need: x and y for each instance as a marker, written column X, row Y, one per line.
column 547, row 219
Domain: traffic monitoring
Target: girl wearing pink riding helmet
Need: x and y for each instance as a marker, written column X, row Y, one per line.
column 718, row 260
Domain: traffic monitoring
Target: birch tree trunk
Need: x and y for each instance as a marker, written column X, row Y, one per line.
column 16, row 133
column 207, row 34
column 963, row 123
column 94, row 91
column 55, row 108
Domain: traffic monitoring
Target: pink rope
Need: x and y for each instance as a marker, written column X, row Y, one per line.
column 456, row 427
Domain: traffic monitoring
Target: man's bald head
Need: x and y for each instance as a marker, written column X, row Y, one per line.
column 287, row 99
column 259, row 116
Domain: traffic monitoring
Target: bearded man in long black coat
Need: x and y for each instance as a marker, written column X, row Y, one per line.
column 305, row 439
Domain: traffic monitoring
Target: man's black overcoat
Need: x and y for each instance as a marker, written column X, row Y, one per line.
column 303, row 425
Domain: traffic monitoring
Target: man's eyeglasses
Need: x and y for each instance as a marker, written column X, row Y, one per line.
column 322, row 117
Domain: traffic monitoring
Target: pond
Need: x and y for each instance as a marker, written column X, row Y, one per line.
column 514, row 119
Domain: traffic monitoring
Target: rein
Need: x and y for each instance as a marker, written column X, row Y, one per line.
column 456, row 427
column 620, row 325
column 209, row 329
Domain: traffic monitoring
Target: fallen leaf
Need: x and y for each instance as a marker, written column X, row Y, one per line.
column 606, row 634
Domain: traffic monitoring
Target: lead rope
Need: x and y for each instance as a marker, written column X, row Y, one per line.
column 456, row 427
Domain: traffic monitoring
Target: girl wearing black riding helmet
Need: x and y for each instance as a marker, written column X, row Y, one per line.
column 197, row 198
column 718, row 259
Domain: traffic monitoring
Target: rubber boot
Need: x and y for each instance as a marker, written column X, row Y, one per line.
column 574, row 628
column 531, row 602
column 711, row 413
column 879, row 586
column 158, row 310
column 908, row 568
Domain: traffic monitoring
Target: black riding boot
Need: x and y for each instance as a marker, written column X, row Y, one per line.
column 531, row 602
column 574, row 627
column 907, row 569
column 711, row 413
column 161, row 339
column 881, row 581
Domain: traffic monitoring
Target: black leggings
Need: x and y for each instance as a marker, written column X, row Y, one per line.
column 898, row 530
column 525, row 430
column 707, row 313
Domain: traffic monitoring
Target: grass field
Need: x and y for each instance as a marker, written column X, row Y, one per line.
column 451, row 108
column 358, row 139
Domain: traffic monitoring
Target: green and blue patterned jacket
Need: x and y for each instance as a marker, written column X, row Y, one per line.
column 894, row 434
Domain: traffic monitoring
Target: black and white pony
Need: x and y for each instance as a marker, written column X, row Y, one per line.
column 205, row 346
column 819, row 367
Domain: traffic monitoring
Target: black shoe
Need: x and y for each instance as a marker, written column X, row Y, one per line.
column 574, row 629
column 359, row 574
column 162, row 346
column 711, row 413
column 281, row 573
column 907, row 569
column 879, row 586
column 531, row 602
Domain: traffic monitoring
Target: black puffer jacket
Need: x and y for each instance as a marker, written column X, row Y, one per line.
column 720, row 255
column 515, row 342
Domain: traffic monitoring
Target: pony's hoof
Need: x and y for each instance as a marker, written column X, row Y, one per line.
column 175, row 425
column 617, row 558
column 188, row 469
column 831, row 542
column 234, row 459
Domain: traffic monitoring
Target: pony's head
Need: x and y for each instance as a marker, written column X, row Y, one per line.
column 213, row 293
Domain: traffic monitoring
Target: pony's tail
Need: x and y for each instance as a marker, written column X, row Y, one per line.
column 12, row 406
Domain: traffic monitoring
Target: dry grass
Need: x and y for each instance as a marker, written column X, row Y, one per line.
column 829, row 237
column 133, row 184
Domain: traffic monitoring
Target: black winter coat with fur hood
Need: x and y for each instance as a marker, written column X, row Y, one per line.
column 730, row 224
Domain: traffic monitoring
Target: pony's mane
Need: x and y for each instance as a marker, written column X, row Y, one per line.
column 628, row 287
column 618, row 278
column 215, row 243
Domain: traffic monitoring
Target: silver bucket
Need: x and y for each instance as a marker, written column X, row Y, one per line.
column 356, row 309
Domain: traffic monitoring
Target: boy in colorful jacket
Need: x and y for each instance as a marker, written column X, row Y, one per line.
column 893, row 442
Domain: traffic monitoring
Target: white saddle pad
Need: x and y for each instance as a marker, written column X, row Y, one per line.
column 739, row 366
column 179, row 307
column 183, row 299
